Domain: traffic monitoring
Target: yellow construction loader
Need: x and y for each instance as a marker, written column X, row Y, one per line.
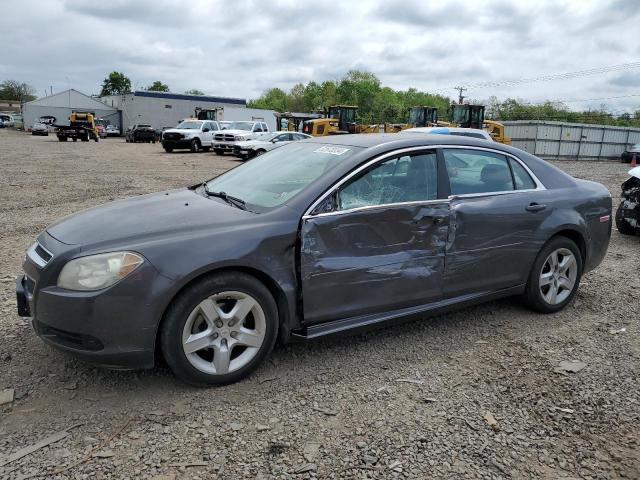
column 339, row 119
column 472, row 116
column 419, row 116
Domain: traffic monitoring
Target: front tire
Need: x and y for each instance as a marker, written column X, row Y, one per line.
column 168, row 149
column 220, row 329
column 218, row 151
column 621, row 224
column 195, row 145
column 555, row 276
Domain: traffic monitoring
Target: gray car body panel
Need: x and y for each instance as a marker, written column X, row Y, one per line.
column 312, row 261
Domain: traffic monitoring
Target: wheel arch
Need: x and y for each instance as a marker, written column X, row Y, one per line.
column 576, row 237
column 272, row 285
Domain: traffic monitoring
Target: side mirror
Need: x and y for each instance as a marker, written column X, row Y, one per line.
column 273, row 140
column 205, row 130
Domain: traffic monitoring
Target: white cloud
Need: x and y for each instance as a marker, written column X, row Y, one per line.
column 242, row 48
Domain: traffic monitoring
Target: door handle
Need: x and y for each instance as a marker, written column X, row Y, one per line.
column 535, row 207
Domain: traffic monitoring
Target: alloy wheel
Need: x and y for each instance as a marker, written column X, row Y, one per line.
column 224, row 332
column 558, row 276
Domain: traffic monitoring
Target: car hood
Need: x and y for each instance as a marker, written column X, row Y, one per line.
column 185, row 131
column 251, row 143
column 635, row 172
column 244, row 133
column 146, row 216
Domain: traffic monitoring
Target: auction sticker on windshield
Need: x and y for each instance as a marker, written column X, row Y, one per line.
column 331, row 150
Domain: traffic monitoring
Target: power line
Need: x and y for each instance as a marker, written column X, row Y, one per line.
column 585, row 99
column 547, row 78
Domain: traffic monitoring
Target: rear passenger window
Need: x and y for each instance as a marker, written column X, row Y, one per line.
column 476, row 171
column 522, row 178
column 409, row 178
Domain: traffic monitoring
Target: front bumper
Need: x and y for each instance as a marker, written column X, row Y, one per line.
column 182, row 143
column 226, row 147
column 114, row 327
column 144, row 136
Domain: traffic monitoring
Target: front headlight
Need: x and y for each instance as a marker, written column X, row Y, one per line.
column 98, row 271
column 239, row 139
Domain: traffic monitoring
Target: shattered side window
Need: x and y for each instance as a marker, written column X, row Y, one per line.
column 408, row 178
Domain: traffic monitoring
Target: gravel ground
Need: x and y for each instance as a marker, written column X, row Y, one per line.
column 471, row 394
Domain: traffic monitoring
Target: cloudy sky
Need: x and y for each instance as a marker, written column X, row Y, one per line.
column 241, row 48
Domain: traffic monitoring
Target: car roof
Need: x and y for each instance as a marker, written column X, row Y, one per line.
column 443, row 130
column 394, row 140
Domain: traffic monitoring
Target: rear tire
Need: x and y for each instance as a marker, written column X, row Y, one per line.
column 621, row 224
column 555, row 276
column 235, row 345
column 195, row 145
column 260, row 152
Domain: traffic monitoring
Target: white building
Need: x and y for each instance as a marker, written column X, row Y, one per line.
column 61, row 105
column 165, row 109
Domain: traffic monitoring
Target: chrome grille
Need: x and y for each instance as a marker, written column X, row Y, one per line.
column 223, row 137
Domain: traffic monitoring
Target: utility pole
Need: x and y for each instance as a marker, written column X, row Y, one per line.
column 460, row 96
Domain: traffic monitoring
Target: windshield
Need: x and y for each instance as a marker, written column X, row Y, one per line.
column 275, row 177
column 189, row 125
column 240, row 126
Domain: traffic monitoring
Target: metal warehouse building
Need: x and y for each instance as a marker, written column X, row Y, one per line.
column 571, row 141
column 61, row 105
column 164, row 109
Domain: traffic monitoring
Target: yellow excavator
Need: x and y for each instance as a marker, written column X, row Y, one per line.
column 82, row 126
column 472, row 116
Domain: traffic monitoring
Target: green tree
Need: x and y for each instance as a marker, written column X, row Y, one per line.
column 194, row 91
column 273, row 99
column 115, row 84
column 158, row 86
column 15, row 90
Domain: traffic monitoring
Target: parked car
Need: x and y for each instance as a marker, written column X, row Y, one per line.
column 629, row 153
column 141, row 132
column 7, row 119
column 463, row 132
column 225, row 142
column 313, row 238
column 39, row 128
column 628, row 212
column 264, row 142
column 112, row 131
column 191, row 134
column 2, row 123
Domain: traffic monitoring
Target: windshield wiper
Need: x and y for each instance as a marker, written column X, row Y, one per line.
column 231, row 200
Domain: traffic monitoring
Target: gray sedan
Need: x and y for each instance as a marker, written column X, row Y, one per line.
column 313, row 238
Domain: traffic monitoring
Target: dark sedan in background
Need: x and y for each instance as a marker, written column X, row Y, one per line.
column 316, row 237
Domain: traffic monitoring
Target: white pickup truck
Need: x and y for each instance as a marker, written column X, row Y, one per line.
column 191, row 134
column 225, row 140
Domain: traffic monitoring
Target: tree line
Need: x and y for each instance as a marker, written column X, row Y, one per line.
column 376, row 103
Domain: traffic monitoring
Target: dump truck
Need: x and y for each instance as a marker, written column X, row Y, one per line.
column 81, row 126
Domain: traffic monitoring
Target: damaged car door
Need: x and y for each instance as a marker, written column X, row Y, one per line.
column 497, row 209
column 376, row 242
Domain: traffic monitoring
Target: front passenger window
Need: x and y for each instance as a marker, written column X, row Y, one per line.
column 409, row 178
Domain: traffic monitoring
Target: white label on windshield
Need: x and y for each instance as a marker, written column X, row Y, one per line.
column 331, row 150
